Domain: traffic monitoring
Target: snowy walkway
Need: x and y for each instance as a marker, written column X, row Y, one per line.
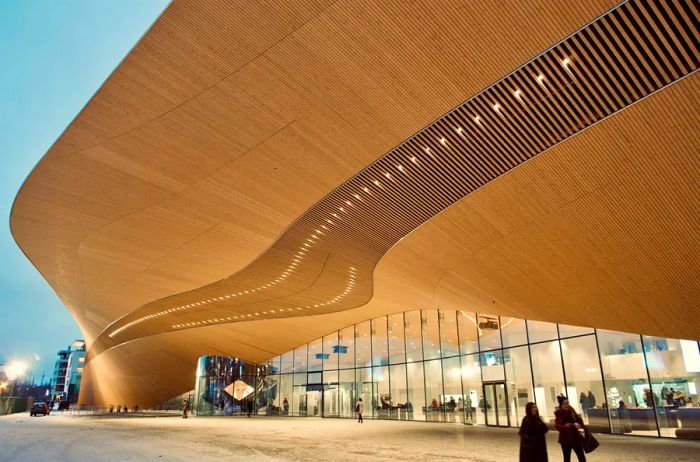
column 200, row 439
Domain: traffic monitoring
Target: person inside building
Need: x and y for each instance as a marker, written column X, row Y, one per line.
column 568, row 423
column 585, row 404
column 533, row 445
column 185, row 408
column 591, row 399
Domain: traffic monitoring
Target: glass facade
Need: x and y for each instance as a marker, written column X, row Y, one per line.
column 225, row 385
column 475, row 368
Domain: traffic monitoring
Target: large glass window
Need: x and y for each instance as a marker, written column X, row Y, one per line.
column 466, row 323
column 489, row 332
column 584, row 383
column 415, row 388
column 330, row 394
column 414, row 341
column 286, row 382
column 380, row 348
column 431, row 334
column 300, row 362
column 273, row 365
column 298, row 405
column 674, row 368
column 330, row 351
column 492, row 366
column 268, row 405
column 549, row 377
column 399, row 394
column 449, row 344
column 381, row 404
column 315, row 355
column 363, row 345
column 346, row 393
column 540, row 331
column 453, row 400
column 566, row 330
column 363, row 387
column 397, row 347
column 287, row 362
column 513, row 331
column 625, row 378
column 471, row 384
column 433, row 390
column 455, row 366
column 346, row 347
column 519, row 381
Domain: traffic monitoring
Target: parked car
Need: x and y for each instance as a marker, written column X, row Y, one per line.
column 39, row 408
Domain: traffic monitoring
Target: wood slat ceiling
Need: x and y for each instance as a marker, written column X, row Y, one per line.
column 324, row 261
column 593, row 239
column 226, row 123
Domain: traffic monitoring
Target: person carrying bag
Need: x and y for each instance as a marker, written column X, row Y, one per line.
column 568, row 422
column 589, row 443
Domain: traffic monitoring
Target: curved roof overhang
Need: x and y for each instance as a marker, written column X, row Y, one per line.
column 245, row 187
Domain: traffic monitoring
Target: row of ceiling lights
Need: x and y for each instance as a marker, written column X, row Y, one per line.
column 296, row 260
column 301, row 253
column 352, row 275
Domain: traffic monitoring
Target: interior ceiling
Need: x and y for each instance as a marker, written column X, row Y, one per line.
column 226, row 191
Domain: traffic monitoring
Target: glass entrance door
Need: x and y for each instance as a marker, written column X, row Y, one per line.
column 330, row 400
column 494, row 404
column 313, row 403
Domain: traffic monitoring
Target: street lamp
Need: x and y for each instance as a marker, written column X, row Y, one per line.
column 14, row 371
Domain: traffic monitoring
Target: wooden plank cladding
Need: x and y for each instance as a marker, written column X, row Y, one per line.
column 324, row 261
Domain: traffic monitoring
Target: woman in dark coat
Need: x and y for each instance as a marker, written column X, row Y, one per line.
column 533, row 446
column 568, row 422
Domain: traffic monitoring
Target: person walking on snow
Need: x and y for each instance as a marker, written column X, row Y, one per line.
column 359, row 408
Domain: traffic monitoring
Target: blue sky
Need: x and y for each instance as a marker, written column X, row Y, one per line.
column 55, row 54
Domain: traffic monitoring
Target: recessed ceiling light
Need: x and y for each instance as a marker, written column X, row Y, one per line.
column 443, row 141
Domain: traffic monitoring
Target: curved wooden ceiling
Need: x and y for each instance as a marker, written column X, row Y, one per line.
column 143, row 202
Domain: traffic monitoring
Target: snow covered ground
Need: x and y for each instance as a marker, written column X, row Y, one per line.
column 199, row 439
